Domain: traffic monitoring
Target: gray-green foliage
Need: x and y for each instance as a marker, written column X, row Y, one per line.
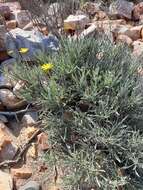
column 90, row 105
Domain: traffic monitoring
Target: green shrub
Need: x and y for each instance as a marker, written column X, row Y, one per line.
column 90, row 103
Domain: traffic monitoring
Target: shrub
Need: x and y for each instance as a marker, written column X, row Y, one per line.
column 90, row 103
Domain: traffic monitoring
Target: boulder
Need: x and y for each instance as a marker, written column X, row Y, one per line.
column 137, row 11
column 5, row 11
column 21, row 173
column 3, row 119
column 122, row 9
column 33, row 40
column 9, row 100
column 31, row 185
column 6, row 181
column 13, row 6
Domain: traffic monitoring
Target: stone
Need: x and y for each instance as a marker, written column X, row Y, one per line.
column 30, row 131
column 2, row 108
column 4, row 11
column 76, row 22
column 31, row 185
column 22, row 17
column 7, row 148
column 21, row 173
column 13, row 6
column 134, row 32
column 6, row 181
column 34, row 40
column 91, row 8
column 32, row 151
column 2, row 36
column 9, row 100
column 43, row 141
column 137, row 48
column 11, row 24
column 101, row 15
column 137, row 11
column 29, row 119
column 122, row 9
column 3, row 119
column 124, row 39
column 18, row 87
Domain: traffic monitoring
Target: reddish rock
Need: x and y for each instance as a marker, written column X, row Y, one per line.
column 43, row 141
column 5, row 11
column 11, row 24
column 7, row 149
column 124, row 39
column 22, row 173
column 138, row 10
column 30, row 131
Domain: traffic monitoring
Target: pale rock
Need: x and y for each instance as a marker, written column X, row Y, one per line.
column 43, row 141
column 6, row 181
column 21, row 173
column 11, row 24
column 31, row 185
column 122, row 9
column 18, row 87
column 137, row 48
column 30, row 131
column 9, row 100
column 13, row 6
column 76, row 22
column 91, row 8
column 22, row 17
column 124, row 39
column 138, row 10
column 101, row 15
column 32, row 151
column 29, row 119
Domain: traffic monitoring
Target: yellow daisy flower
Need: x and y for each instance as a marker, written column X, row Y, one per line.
column 47, row 67
column 23, row 50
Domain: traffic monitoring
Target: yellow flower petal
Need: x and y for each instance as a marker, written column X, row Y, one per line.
column 47, row 66
column 23, row 50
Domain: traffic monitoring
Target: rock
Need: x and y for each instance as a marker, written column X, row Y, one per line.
column 2, row 108
column 18, row 87
column 32, row 151
column 76, row 22
column 133, row 32
column 13, row 6
column 5, row 11
column 29, row 119
column 6, row 181
column 122, row 9
column 9, row 100
column 31, row 185
column 11, row 24
column 3, row 119
column 7, row 148
column 22, row 17
column 124, row 39
column 43, row 141
column 2, row 36
column 22, row 173
column 30, row 131
column 137, row 48
column 34, row 40
column 101, row 15
column 91, row 8
column 137, row 11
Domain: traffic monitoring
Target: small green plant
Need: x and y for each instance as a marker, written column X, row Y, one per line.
column 91, row 104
